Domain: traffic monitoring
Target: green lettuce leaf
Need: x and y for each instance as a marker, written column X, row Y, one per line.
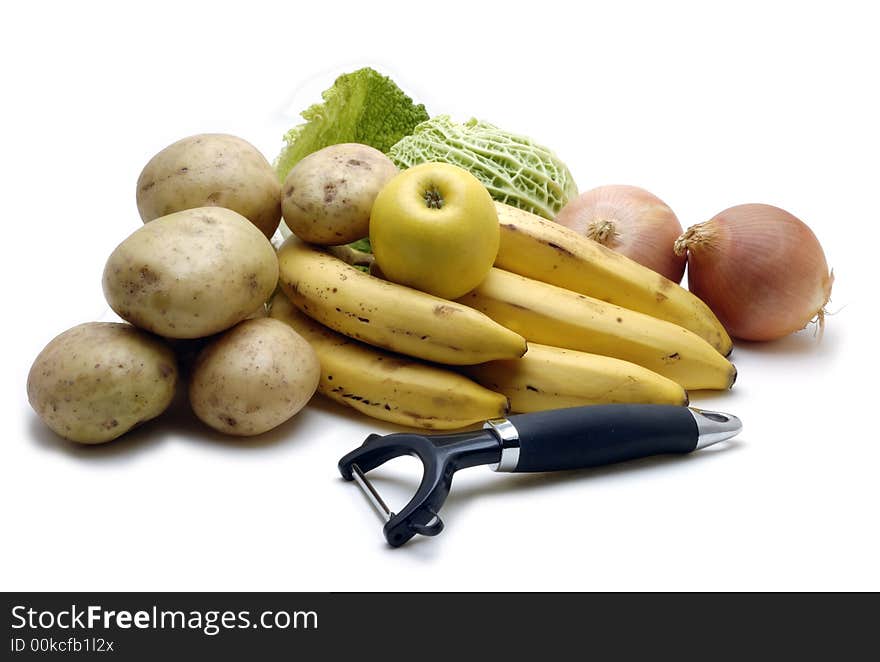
column 362, row 107
column 513, row 168
column 362, row 245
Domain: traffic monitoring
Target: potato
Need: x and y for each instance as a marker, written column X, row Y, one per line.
column 211, row 170
column 191, row 274
column 96, row 381
column 253, row 378
column 328, row 196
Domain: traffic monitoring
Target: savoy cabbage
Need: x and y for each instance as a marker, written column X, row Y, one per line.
column 513, row 168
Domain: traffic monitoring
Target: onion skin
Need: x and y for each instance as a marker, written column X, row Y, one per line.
column 631, row 221
column 761, row 271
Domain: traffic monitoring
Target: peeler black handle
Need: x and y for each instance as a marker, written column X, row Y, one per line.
column 602, row 434
column 543, row 441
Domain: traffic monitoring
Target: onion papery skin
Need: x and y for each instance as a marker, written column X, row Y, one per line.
column 760, row 269
column 631, row 221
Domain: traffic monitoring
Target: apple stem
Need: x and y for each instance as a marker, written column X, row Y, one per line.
column 433, row 198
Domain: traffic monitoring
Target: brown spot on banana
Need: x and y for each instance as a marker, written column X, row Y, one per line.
column 560, row 249
column 444, row 311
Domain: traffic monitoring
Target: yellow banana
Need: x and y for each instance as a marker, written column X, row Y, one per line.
column 555, row 316
column 389, row 315
column 552, row 378
column 388, row 386
column 535, row 247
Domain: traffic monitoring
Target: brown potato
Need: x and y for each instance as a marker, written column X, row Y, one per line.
column 211, row 170
column 328, row 196
column 253, row 378
column 96, row 381
column 191, row 274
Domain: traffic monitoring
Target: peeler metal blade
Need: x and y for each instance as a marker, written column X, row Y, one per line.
column 371, row 493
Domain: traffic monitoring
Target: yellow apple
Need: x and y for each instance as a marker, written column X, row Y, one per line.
column 434, row 227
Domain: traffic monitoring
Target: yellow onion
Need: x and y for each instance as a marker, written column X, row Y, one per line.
column 761, row 271
column 631, row 221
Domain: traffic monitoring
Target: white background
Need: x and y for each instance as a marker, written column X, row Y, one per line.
column 705, row 104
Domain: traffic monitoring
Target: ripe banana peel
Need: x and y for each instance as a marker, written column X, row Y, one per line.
column 389, row 315
column 546, row 251
column 388, row 386
column 552, row 378
column 555, row 316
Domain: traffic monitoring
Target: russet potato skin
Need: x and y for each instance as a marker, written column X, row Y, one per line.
column 191, row 274
column 96, row 381
column 207, row 170
column 253, row 377
column 327, row 197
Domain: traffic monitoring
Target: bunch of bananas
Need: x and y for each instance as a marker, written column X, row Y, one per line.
column 560, row 321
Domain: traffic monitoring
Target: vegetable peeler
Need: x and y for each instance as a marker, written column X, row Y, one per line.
column 556, row 440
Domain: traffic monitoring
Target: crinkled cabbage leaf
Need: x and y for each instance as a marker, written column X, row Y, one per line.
column 361, row 107
column 513, row 168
